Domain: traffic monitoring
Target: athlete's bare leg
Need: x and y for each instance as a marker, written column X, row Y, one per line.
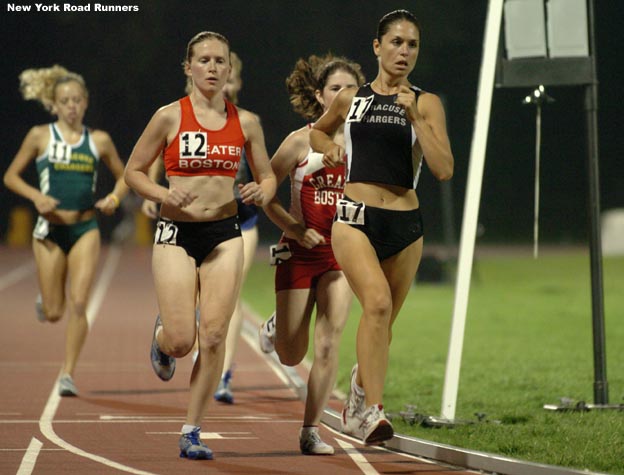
column 292, row 324
column 175, row 279
column 250, row 244
column 82, row 263
column 52, row 275
column 333, row 302
column 220, row 280
column 400, row 270
column 359, row 262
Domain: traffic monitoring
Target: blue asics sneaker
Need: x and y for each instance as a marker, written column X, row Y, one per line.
column 224, row 393
column 164, row 365
column 193, row 448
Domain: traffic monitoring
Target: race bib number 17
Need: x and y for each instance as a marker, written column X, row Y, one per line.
column 359, row 107
column 350, row 212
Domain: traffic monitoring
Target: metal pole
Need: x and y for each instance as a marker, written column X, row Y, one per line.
column 601, row 388
column 538, row 146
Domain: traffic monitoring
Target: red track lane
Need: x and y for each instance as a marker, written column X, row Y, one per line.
column 126, row 420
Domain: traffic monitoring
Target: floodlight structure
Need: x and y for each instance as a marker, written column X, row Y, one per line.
column 571, row 61
column 548, row 44
column 537, row 98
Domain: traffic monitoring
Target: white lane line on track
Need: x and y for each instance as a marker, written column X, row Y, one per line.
column 47, row 418
column 17, row 274
column 359, row 459
column 108, row 272
column 30, row 457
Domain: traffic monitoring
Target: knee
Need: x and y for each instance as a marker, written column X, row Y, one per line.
column 325, row 350
column 288, row 359
column 54, row 316
column 54, row 313
column 212, row 339
column 178, row 344
column 326, row 344
column 78, row 304
column 179, row 348
column 288, row 354
column 378, row 307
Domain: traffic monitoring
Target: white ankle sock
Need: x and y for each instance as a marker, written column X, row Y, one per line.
column 188, row 428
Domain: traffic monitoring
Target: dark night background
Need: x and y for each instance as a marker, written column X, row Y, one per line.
column 131, row 63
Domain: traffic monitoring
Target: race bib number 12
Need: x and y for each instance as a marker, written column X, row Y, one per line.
column 193, row 145
column 166, row 233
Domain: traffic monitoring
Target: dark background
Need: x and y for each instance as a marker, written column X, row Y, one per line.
column 132, row 65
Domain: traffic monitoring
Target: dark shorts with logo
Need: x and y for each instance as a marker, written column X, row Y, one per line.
column 390, row 231
column 198, row 239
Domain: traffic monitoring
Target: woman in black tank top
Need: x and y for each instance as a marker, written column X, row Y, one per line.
column 377, row 234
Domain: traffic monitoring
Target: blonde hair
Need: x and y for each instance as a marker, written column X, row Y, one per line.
column 310, row 75
column 202, row 36
column 40, row 84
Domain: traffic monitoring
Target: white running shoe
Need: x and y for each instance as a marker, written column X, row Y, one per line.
column 354, row 408
column 310, row 442
column 376, row 428
column 266, row 335
column 66, row 386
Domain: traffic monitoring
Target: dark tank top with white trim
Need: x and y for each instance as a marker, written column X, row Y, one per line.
column 379, row 138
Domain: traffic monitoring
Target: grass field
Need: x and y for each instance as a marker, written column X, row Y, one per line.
column 528, row 342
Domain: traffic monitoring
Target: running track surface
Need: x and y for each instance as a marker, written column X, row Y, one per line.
column 126, row 420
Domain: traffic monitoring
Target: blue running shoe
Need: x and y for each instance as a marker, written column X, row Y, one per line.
column 193, row 448
column 164, row 365
column 224, row 393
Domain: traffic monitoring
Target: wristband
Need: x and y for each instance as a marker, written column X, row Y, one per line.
column 114, row 199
